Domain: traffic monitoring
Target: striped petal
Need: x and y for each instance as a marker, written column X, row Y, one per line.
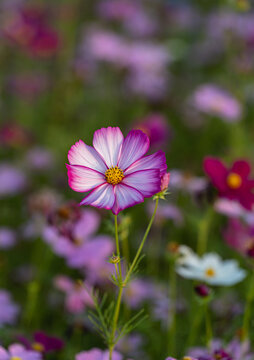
column 101, row 197
column 147, row 182
column 126, row 196
column 108, row 142
column 135, row 145
column 83, row 179
column 154, row 161
column 82, row 154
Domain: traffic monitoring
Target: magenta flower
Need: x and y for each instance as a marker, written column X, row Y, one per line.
column 115, row 170
column 232, row 183
column 42, row 342
column 97, row 354
column 18, row 352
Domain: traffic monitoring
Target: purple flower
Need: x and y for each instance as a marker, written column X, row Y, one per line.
column 77, row 297
column 235, row 350
column 97, row 354
column 7, row 238
column 18, row 352
column 12, row 180
column 212, row 100
column 8, row 309
column 39, row 159
column 42, row 342
column 137, row 292
column 115, row 171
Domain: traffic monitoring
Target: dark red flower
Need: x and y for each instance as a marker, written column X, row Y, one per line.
column 233, row 183
column 42, row 342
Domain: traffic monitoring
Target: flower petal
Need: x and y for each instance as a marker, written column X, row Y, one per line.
column 154, row 161
column 126, row 196
column 108, row 142
column 217, row 172
column 242, row 168
column 83, row 179
column 82, row 154
column 135, row 145
column 101, row 197
column 147, row 182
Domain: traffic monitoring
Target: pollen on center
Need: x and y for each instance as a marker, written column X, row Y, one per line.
column 210, row 272
column 114, row 175
column 234, row 180
column 15, row 358
column 38, row 347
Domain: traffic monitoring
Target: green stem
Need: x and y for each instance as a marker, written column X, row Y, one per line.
column 247, row 312
column 118, row 248
column 141, row 244
column 203, row 232
column 115, row 320
column 209, row 331
column 172, row 313
column 123, row 283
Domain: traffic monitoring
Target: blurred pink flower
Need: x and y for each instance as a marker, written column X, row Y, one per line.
column 7, row 238
column 137, row 292
column 12, row 180
column 156, row 127
column 240, row 236
column 212, row 100
column 29, row 85
column 115, row 171
column 39, row 159
column 97, row 354
column 28, row 28
column 187, row 182
column 18, row 352
column 8, row 309
column 77, row 298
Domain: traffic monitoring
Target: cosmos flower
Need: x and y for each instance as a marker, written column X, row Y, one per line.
column 77, row 297
column 234, row 182
column 235, row 350
column 18, row 352
column 42, row 342
column 8, row 309
column 115, row 171
column 212, row 100
column 209, row 268
column 97, row 354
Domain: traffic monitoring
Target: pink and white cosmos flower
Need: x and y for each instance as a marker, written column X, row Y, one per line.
column 115, row 170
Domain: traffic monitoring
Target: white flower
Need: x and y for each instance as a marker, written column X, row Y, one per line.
column 209, row 268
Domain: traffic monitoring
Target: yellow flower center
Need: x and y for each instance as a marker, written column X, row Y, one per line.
column 114, row 175
column 234, row 180
column 38, row 347
column 186, row 358
column 16, row 358
column 210, row 272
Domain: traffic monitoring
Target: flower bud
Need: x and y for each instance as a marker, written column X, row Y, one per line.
column 202, row 290
column 114, row 260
